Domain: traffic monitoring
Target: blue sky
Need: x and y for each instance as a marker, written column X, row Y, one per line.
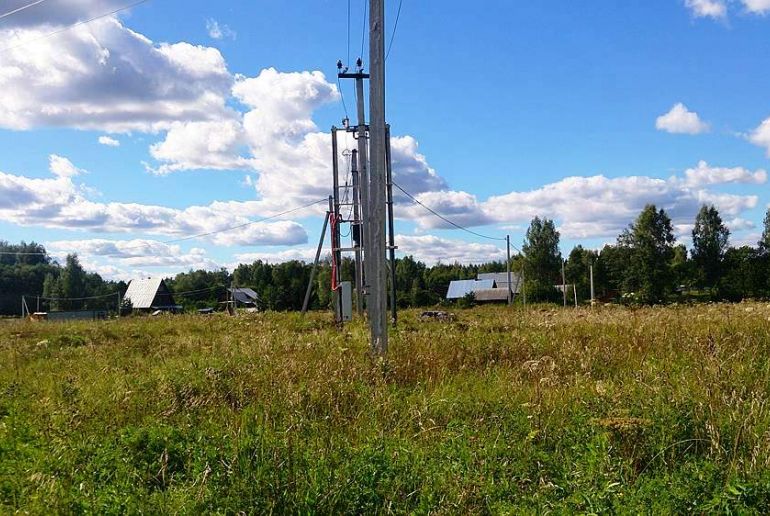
column 578, row 111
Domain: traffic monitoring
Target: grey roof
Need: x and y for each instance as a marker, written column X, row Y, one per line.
column 491, row 294
column 461, row 288
column 142, row 292
column 501, row 280
column 244, row 295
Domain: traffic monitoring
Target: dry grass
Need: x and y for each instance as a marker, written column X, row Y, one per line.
column 656, row 409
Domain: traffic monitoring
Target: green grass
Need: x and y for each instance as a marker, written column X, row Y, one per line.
column 654, row 410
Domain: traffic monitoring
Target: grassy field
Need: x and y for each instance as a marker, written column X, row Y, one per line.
column 501, row 411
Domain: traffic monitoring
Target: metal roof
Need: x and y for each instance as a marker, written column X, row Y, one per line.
column 491, row 294
column 142, row 292
column 461, row 288
column 501, row 280
column 244, row 295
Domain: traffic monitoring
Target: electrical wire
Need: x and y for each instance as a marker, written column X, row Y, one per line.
column 74, row 298
column 197, row 291
column 19, row 9
column 363, row 29
column 190, row 237
column 72, row 26
column 347, row 63
column 395, row 27
column 450, row 222
column 342, row 97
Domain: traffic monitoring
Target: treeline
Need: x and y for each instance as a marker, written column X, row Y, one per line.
column 645, row 265
column 27, row 270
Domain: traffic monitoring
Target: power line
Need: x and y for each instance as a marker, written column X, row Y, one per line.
column 348, row 61
column 72, row 26
column 395, row 27
column 239, row 226
column 342, row 97
column 458, row 226
column 363, row 29
column 196, row 291
column 19, row 9
column 190, row 237
column 76, row 298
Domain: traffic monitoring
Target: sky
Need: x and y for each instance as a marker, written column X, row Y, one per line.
column 123, row 138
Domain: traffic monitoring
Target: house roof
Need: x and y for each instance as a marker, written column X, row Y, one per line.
column 491, row 294
column 142, row 292
column 244, row 295
column 461, row 288
column 501, row 280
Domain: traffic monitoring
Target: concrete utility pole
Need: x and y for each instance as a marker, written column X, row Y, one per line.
column 377, row 300
column 508, row 267
column 329, row 214
column 356, row 231
column 591, row 271
column 336, row 240
column 391, row 231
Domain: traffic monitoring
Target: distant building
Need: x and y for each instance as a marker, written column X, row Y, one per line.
column 150, row 294
column 245, row 297
column 489, row 287
column 458, row 289
column 501, row 280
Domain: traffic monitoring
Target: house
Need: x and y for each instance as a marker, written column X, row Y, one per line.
column 244, row 297
column 458, row 289
column 489, row 287
column 501, row 281
column 150, row 294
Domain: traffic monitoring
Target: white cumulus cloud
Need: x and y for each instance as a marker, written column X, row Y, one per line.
column 707, row 8
column 109, row 141
column 761, row 135
column 680, row 120
column 219, row 31
column 705, row 175
column 757, row 6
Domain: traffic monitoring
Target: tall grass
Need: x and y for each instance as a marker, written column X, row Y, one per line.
column 501, row 411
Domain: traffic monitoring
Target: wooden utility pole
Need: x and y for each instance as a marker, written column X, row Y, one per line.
column 377, row 299
column 508, row 267
column 563, row 284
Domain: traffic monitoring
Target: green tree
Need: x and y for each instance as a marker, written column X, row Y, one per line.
column 577, row 270
column 73, row 282
column 542, row 260
column 764, row 242
column 709, row 239
column 650, row 244
column 682, row 267
column 745, row 274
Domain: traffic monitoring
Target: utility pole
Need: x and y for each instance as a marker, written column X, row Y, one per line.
column 508, row 267
column 357, row 231
column 377, row 299
column 309, row 290
column 591, row 272
column 335, row 230
column 563, row 284
column 391, row 229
